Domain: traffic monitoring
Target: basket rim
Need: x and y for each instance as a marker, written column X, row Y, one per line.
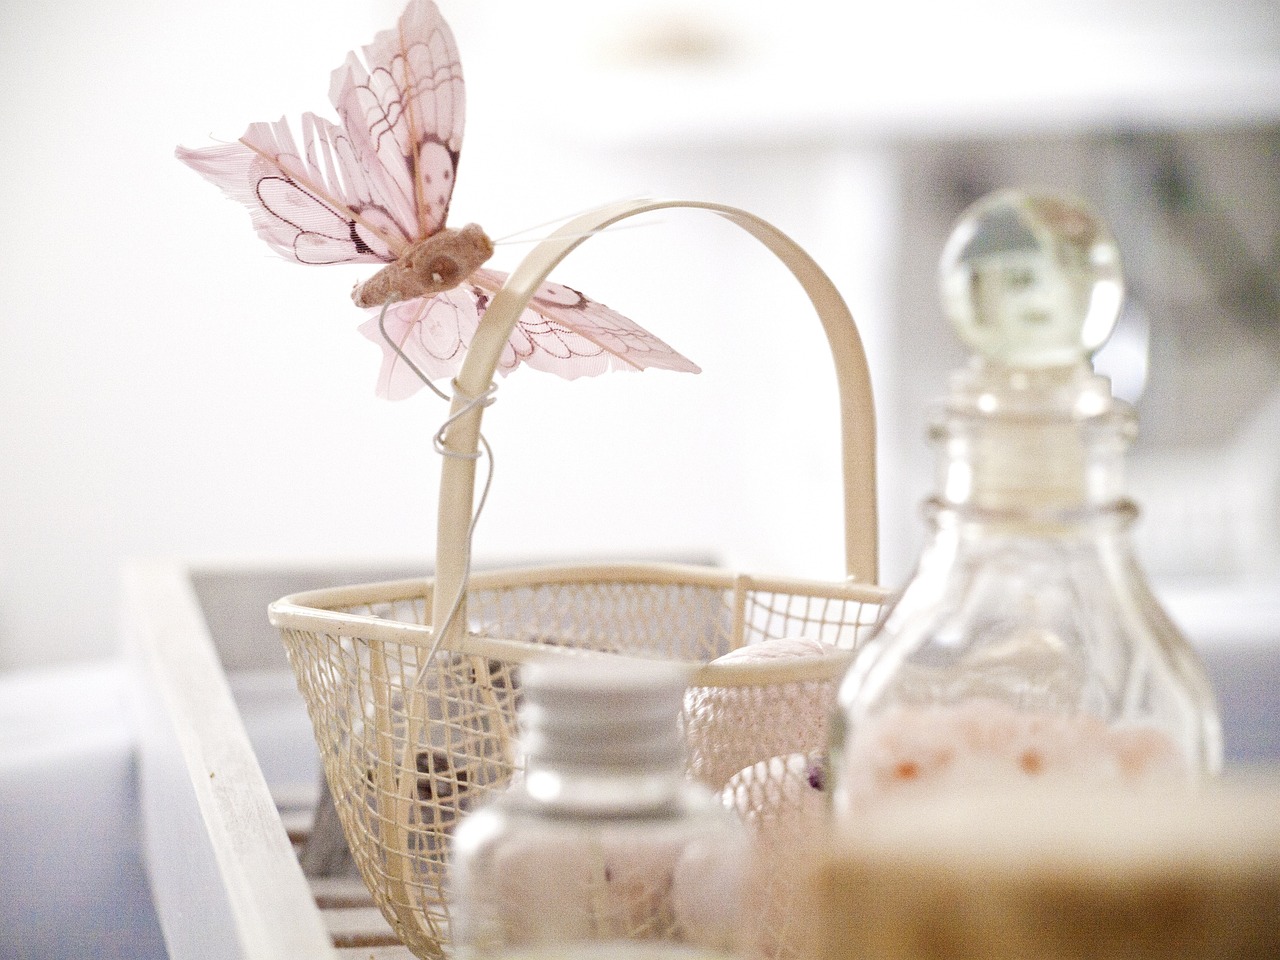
column 319, row 611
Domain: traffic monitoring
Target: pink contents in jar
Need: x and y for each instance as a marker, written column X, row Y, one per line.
column 916, row 749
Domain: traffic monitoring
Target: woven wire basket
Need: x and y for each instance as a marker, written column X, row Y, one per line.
column 411, row 741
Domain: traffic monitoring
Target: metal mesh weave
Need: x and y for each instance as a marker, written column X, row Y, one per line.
column 409, row 745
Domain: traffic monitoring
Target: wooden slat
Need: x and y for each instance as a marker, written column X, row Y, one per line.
column 336, row 892
column 359, row 927
column 376, row 953
column 296, row 823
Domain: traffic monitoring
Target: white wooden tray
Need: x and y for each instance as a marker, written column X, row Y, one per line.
column 228, row 774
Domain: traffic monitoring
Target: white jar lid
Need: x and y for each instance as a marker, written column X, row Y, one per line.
column 607, row 712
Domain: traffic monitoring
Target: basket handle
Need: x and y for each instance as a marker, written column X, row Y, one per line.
column 857, row 412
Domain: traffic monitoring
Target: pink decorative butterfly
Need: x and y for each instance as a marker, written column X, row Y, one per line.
column 376, row 190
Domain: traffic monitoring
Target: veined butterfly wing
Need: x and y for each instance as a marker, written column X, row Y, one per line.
column 408, row 109
column 312, row 207
column 567, row 333
column 561, row 332
column 361, row 192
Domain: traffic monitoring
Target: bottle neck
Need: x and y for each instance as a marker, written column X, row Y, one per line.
column 1042, row 449
column 588, row 791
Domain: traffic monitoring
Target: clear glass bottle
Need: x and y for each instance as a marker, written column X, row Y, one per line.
column 604, row 848
column 1027, row 644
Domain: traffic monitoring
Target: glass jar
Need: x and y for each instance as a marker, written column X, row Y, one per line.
column 604, row 848
column 1027, row 645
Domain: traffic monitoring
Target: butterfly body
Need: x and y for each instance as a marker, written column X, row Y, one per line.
column 376, row 189
column 429, row 266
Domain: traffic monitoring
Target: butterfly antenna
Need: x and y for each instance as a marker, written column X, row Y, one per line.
column 612, row 228
column 548, row 223
column 483, row 400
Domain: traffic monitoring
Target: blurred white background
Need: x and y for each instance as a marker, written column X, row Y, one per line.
column 170, row 387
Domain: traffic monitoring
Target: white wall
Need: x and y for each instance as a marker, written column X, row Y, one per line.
column 166, row 384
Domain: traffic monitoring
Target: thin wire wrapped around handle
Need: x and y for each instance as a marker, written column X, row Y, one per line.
column 857, row 411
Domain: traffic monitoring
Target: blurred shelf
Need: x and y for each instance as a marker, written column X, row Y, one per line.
column 647, row 75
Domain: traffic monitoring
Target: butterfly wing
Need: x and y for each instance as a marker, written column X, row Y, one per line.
column 561, row 332
column 429, row 333
column 567, row 333
column 406, row 111
column 316, row 206
column 361, row 192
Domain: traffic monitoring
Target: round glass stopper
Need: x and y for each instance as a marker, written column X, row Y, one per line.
column 1032, row 280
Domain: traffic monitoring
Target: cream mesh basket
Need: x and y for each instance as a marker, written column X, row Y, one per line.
column 410, row 742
